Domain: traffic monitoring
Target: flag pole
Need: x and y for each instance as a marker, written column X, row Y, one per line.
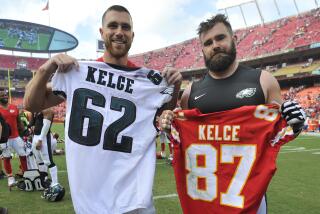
column 49, row 13
column 9, row 86
column 48, row 9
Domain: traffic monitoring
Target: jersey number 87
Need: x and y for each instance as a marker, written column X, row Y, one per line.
column 205, row 173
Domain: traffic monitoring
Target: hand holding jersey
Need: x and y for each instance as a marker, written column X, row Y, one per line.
column 165, row 120
column 38, row 94
column 60, row 63
column 295, row 116
column 172, row 75
column 39, row 145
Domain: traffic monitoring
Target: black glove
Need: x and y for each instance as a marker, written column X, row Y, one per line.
column 295, row 116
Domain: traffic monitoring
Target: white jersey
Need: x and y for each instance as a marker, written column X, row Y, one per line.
column 110, row 135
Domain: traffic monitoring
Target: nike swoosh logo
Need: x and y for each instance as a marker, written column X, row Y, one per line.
column 197, row 97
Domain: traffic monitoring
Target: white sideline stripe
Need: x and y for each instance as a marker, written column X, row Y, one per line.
column 165, row 196
column 161, row 163
column 307, row 150
column 307, row 138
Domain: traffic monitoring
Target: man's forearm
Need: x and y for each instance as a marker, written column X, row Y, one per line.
column 175, row 96
column 173, row 102
column 36, row 91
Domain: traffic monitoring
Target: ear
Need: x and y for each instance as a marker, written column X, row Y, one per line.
column 235, row 38
column 132, row 35
column 101, row 32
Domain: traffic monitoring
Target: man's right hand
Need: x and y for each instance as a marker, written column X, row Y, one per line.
column 60, row 63
column 39, row 145
column 165, row 120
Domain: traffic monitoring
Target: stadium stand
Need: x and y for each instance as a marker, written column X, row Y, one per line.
column 297, row 68
column 278, row 36
column 309, row 98
column 13, row 62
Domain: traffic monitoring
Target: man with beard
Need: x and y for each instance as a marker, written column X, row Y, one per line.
column 10, row 113
column 110, row 113
column 229, row 85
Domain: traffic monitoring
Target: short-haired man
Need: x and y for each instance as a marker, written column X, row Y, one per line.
column 111, row 109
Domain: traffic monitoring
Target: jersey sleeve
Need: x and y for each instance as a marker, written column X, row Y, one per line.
column 158, row 90
column 166, row 92
column 59, row 84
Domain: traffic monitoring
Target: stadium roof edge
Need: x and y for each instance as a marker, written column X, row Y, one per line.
column 221, row 5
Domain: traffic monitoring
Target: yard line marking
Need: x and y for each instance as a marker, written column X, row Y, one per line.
column 165, row 196
column 307, row 138
column 161, row 163
column 307, row 150
column 294, row 149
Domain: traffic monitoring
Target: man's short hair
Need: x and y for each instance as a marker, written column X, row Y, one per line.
column 210, row 23
column 117, row 8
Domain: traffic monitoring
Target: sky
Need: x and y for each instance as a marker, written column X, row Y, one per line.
column 156, row 23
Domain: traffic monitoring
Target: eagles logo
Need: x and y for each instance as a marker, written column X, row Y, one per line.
column 248, row 92
column 154, row 77
column 167, row 91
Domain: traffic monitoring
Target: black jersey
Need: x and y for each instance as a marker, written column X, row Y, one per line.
column 240, row 89
column 6, row 130
column 38, row 123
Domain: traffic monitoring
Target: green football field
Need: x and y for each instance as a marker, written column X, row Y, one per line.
column 42, row 43
column 294, row 189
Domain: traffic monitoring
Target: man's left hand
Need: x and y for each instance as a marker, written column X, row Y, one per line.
column 39, row 145
column 295, row 116
column 172, row 75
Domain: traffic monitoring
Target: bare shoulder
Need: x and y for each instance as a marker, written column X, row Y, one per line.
column 185, row 97
column 270, row 87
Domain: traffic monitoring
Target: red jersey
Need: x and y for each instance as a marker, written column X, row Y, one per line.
column 224, row 161
column 129, row 64
column 10, row 115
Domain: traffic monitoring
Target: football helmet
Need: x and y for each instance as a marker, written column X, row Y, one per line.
column 45, row 181
column 54, row 193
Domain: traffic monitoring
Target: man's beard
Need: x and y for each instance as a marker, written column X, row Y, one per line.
column 116, row 53
column 221, row 60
